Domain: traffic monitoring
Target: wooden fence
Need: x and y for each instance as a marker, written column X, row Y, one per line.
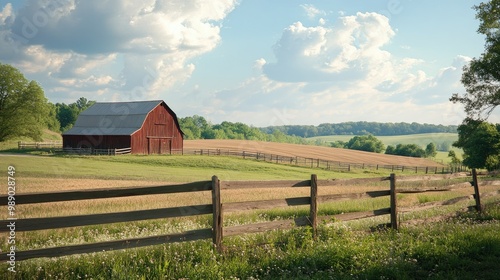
column 325, row 164
column 216, row 209
column 57, row 145
column 92, row 151
column 39, row 145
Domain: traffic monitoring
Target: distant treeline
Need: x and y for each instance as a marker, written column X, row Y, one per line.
column 361, row 128
column 197, row 127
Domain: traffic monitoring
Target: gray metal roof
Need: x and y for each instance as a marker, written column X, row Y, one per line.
column 112, row 118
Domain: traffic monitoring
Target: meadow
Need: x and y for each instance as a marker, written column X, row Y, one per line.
column 418, row 139
column 446, row 242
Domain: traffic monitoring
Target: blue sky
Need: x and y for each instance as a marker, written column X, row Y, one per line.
column 263, row 63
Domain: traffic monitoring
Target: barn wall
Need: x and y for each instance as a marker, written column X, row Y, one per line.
column 159, row 133
column 96, row 141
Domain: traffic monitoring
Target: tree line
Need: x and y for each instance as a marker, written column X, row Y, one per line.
column 197, row 127
column 361, row 128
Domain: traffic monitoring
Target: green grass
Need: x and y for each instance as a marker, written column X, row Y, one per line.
column 464, row 247
column 175, row 168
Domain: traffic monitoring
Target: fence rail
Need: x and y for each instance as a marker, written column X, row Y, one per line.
column 39, row 145
column 217, row 231
column 81, row 151
column 322, row 163
column 92, row 151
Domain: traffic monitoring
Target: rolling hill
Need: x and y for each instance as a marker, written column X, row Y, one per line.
column 418, row 139
column 324, row 153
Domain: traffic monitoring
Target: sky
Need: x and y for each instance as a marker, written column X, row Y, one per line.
column 260, row 62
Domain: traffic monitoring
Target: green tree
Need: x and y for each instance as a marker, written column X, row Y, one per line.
column 338, row 144
column 390, row 150
column 23, row 106
column 453, row 158
column 368, row 143
column 67, row 114
column 492, row 162
column 190, row 128
column 82, row 104
column 407, row 150
column 430, row 150
column 480, row 141
column 52, row 120
column 481, row 77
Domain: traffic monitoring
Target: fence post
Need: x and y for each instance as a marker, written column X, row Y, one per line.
column 394, row 209
column 313, row 217
column 476, row 190
column 217, row 214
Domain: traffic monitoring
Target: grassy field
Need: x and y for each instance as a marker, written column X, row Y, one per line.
column 418, row 139
column 307, row 151
column 165, row 168
column 459, row 246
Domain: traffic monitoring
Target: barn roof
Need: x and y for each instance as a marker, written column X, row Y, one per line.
column 114, row 118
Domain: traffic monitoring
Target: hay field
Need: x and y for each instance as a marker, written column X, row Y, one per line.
column 324, row 153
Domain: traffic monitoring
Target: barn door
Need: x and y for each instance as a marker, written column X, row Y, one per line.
column 154, row 146
column 165, row 146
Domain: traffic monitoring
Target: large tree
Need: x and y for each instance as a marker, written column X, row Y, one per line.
column 368, row 143
column 23, row 106
column 480, row 142
column 481, row 77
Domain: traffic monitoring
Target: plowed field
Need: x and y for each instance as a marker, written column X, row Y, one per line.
column 307, row 151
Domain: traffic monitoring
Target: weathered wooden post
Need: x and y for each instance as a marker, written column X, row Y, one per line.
column 313, row 216
column 476, row 190
column 394, row 208
column 217, row 214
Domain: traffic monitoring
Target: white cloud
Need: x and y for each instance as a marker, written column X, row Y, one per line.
column 71, row 43
column 6, row 15
column 340, row 73
column 349, row 50
column 311, row 11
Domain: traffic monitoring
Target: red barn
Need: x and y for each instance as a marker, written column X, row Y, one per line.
column 147, row 127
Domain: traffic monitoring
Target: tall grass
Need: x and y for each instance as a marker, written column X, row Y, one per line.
column 344, row 250
column 464, row 247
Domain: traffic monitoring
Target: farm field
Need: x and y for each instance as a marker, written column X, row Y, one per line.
column 343, row 250
column 324, row 153
column 418, row 139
